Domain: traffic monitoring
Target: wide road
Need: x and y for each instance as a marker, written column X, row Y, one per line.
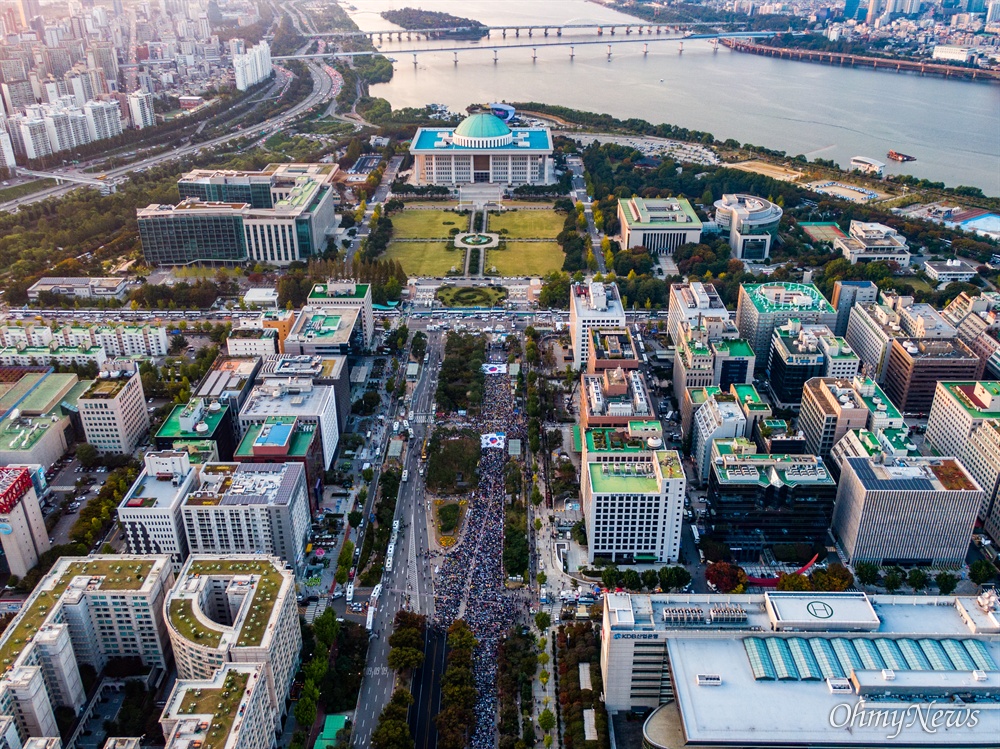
column 322, row 87
column 409, row 583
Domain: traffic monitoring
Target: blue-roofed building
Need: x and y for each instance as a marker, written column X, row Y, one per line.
column 482, row 149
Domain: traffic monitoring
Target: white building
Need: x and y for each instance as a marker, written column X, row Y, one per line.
column 907, row 511
column 140, row 107
column 82, row 287
column 957, row 409
column 593, row 305
column 830, row 409
column 150, row 514
column 981, row 456
column 113, row 410
column 22, row 526
column 338, row 294
column 869, row 242
column 104, row 119
column 949, row 271
column 868, row 166
column 953, row 53
column 661, row 225
column 249, row 508
column 694, row 302
column 634, row 509
column 763, row 307
column 751, row 224
column 482, row 149
column 253, row 66
column 252, row 342
column 720, row 418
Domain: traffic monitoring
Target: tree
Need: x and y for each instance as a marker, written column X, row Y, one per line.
column 981, row 572
column 893, row 581
column 631, row 580
column 177, row 344
column 610, row 577
column 673, row 578
column 946, row 583
column 87, row 454
column 836, row 577
column 546, row 720
column 543, row 621
column 305, row 712
column 354, row 518
column 541, row 577
column 725, row 576
column 917, row 579
column 793, row 582
column 368, row 474
column 650, row 579
column 326, row 628
column 867, row 573
column 403, row 659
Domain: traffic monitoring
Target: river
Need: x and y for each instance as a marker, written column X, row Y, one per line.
column 952, row 127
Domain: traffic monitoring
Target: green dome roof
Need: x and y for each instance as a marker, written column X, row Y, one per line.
column 482, row 125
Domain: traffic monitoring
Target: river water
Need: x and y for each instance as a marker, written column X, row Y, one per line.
column 952, row 127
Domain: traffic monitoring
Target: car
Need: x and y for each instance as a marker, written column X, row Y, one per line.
column 312, row 599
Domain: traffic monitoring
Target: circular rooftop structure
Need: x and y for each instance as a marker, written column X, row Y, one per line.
column 748, row 211
column 482, row 130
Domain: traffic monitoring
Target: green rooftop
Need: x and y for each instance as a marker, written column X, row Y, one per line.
column 869, row 442
column 899, row 441
column 733, row 347
column 791, row 297
column 605, row 440
column 171, row 428
column 222, row 704
column 322, row 291
column 883, row 400
column 748, row 397
column 700, row 395
column 766, row 470
column 199, row 451
column 658, row 213
column 298, row 443
column 118, row 574
column 613, row 478
column 105, row 388
column 670, row 464
column 961, row 391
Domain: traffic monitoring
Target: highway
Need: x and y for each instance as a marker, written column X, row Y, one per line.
column 409, row 583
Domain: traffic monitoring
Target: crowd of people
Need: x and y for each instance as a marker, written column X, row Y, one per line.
column 470, row 584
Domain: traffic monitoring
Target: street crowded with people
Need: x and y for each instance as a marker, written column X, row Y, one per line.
column 470, row 584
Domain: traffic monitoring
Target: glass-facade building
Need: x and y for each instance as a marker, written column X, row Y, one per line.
column 179, row 236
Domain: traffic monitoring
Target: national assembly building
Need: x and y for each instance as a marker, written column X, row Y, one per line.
column 482, row 149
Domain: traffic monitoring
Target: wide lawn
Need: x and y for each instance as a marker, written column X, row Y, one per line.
column 469, row 296
column 526, row 259
column 526, row 224
column 408, row 224
column 425, row 258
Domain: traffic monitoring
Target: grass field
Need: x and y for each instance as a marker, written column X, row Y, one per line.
column 28, row 188
column 528, row 224
column 425, row 258
column 426, row 224
column 467, row 296
column 526, row 259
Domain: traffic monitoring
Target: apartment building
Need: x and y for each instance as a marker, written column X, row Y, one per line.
column 593, row 305
column 150, row 513
column 763, row 307
column 906, row 511
column 116, row 339
column 916, row 365
column 247, row 508
column 634, row 508
column 113, row 409
column 22, row 526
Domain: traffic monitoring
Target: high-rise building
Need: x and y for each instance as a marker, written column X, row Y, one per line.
column 981, row 456
column 721, row 417
column 993, row 12
column 799, row 353
column 751, row 224
column 150, row 514
column 758, row 500
column 594, row 305
column 22, row 527
column 874, row 6
column 661, row 225
column 614, row 397
column 870, row 331
column 104, row 119
column 848, row 294
column 830, row 408
column 140, row 107
column 906, row 511
column 763, row 307
column 634, row 508
column 346, row 294
column 916, row 366
column 252, row 66
column 200, row 419
column 957, row 409
column 113, row 409
column 298, row 396
column 696, row 303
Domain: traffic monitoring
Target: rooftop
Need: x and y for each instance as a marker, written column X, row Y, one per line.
column 696, row 297
column 623, row 478
column 283, row 396
column 658, row 213
column 785, row 296
column 316, row 326
column 749, row 397
column 934, row 348
column 670, row 464
column 435, row 140
column 766, row 470
column 335, row 290
column 228, row 376
column 699, row 394
column 980, row 399
column 899, row 441
column 913, row 474
column 106, row 388
column 321, row 367
column 182, row 424
column 277, row 433
column 878, row 401
column 732, row 347
column 231, row 484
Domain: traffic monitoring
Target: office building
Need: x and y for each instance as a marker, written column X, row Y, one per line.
column 953, row 53
column 848, row 294
column 252, row 342
column 949, row 271
column 141, row 111
column 754, row 408
column 301, row 397
column 80, row 287
column 611, row 348
column 661, row 225
column 334, row 295
column 22, row 527
column 253, row 66
column 234, row 628
column 972, row 316
column 692, row 303
column 981, row 457
column 776, row 436
column 41, row 417
column 113, row 409
column 733, row 362
column 230, row 381
column 282, row 439
column 281, row 320
column 85, row 610
column 247, row 508
column 321, row 331
column 957, row 410
column 796, row 667
column 907, row 511
column 916, row 366
column 593, row 305
column 199, row 419
column 280, row 215
column 150, row 514
column 757, row 500
column 322, row 370
column 721, row 417
column 799, row 353
column 830, row 408
column 857, row 443
column 871, row 242
column 750, row 222
column 692, row 399
column 763, row 307
column 261, row 298
column 923, row 321
column 711, row 354
column 613, row 398
column 482, row 149
column 694, row 365
column 634, row 509
column 871, row 329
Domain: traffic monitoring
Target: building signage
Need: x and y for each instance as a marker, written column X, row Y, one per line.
column 6, row 529
column 636, row 636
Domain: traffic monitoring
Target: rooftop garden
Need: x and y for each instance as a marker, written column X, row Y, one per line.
column 183, row 619
column 952, row 477
column 222, row 704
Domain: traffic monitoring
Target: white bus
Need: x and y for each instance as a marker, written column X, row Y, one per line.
column 349, row 597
